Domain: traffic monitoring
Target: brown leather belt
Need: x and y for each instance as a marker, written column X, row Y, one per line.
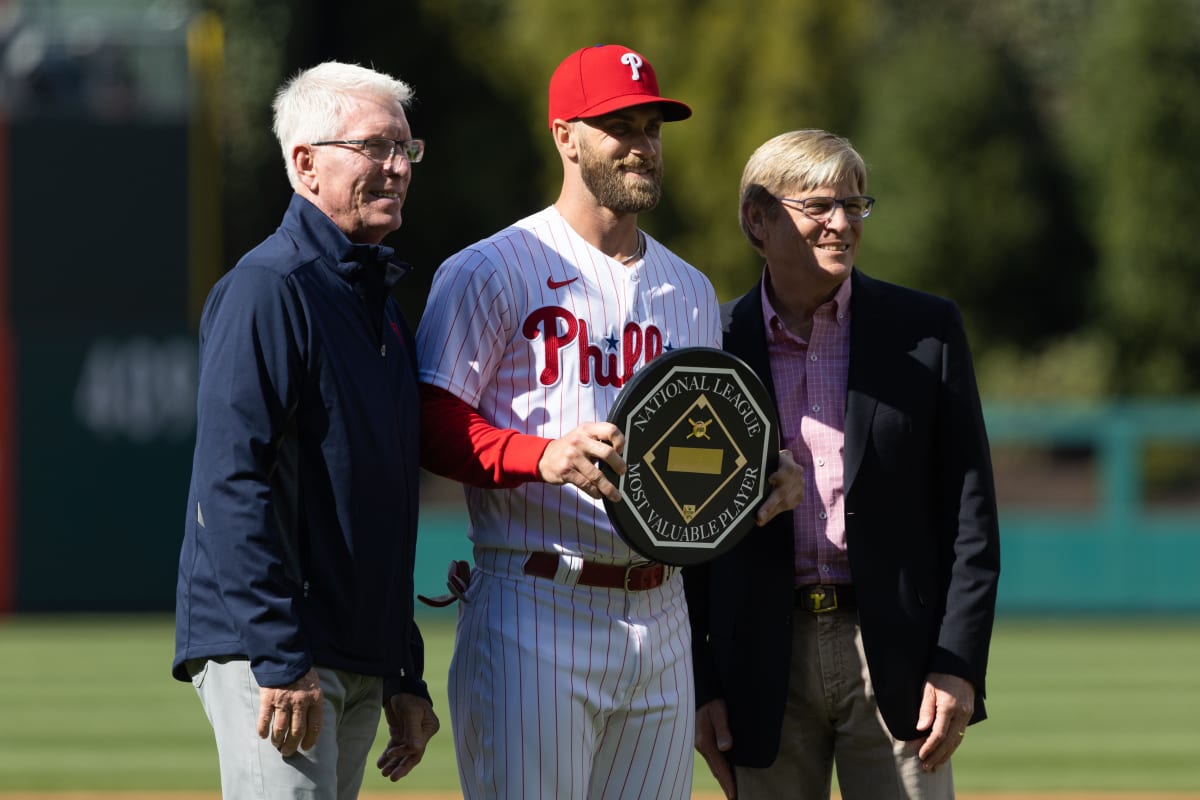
column 631, row 578
column 821, row 598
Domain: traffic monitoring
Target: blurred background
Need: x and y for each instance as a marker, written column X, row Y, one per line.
column 1035, row 160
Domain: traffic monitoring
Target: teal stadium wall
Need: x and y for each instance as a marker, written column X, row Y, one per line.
column 1117, row 555
column 1122, row 554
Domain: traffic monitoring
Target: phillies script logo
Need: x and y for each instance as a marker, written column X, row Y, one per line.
column 559, row 328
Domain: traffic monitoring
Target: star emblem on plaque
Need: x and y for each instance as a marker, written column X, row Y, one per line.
column 701, row 438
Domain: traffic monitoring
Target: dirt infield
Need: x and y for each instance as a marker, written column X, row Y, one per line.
column 405, row 795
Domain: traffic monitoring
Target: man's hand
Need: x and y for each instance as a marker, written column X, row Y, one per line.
column 411, row 724
column 713, row 740
column 572, row 459
column 946, row 707
column 788, row 489
column 291, row 715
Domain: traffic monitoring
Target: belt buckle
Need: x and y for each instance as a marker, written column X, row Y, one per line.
column 639, row 565
column 629, row 568
column 818, row 594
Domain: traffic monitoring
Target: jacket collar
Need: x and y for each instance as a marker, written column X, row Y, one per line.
column 350, row 259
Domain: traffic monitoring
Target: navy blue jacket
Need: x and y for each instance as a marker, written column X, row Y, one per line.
column 302, row 511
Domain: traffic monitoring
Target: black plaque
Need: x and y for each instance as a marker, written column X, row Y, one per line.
column 701, row 438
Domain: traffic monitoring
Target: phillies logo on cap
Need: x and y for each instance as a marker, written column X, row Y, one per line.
column 600, row 80
column 634, row 61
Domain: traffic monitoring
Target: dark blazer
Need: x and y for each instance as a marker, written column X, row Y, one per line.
column 921, row 528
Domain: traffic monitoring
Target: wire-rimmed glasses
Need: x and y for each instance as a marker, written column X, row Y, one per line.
column 820, row 209
column 380, row 149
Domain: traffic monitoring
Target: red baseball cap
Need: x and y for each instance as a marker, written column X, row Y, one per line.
column 604, row 78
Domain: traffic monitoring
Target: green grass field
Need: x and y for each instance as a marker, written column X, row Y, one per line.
column 87, row 703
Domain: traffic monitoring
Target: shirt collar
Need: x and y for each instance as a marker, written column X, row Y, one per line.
column 774, row 324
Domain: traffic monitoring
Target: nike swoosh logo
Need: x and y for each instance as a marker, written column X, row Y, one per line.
column 553, row 284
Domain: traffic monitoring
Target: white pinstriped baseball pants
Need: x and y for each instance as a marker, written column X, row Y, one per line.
column 560, row 692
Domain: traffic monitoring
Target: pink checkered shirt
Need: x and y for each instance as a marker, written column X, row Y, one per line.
column 810, row 387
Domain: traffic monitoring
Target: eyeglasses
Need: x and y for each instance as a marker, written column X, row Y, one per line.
column 380, row 149
column 820, row 209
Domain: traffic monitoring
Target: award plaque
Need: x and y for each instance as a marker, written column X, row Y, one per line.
column 701, row 439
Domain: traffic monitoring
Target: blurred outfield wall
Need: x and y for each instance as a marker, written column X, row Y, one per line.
column 101, row 509
column 1100, row 506
column 1100, row 510
column 109, row 221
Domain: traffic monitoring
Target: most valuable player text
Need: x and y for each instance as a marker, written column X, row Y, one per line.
column 635, row 493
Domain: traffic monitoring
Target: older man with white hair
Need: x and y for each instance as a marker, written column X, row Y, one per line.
column 294, row 613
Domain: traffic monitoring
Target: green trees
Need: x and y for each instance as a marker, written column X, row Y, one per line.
column 749, row 70
column 972, row 203
column 1132, row 135
column 1035, row 160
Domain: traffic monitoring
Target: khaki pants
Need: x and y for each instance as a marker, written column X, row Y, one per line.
column 252, row 769
column 831, row 718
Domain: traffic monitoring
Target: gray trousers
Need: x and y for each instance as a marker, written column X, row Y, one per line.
column 831, row 718
column 252, row 769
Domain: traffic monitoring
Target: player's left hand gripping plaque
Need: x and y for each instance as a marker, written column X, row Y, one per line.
column 701, row 438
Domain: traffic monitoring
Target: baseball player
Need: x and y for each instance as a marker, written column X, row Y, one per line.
column 571, row 673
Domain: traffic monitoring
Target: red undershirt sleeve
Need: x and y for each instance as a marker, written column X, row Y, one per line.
column 458, row 443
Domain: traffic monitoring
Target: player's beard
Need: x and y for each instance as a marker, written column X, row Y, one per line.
column 605, row 179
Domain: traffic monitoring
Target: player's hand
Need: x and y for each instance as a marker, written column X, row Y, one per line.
column 411, row 724
column 573, row 459
column 291, row 715
column 787, row 482
column 946, row 707
column 713, row 740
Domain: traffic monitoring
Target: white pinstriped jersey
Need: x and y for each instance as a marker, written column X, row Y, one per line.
column 538, row 330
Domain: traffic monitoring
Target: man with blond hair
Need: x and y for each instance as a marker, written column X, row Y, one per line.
column 853, row 630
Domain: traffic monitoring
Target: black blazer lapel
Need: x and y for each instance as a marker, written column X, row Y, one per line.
column 860, row 405
column 746, row 336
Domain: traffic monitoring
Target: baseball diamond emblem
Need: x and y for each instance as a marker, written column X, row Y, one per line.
column 701, row 437
column 710, row 468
